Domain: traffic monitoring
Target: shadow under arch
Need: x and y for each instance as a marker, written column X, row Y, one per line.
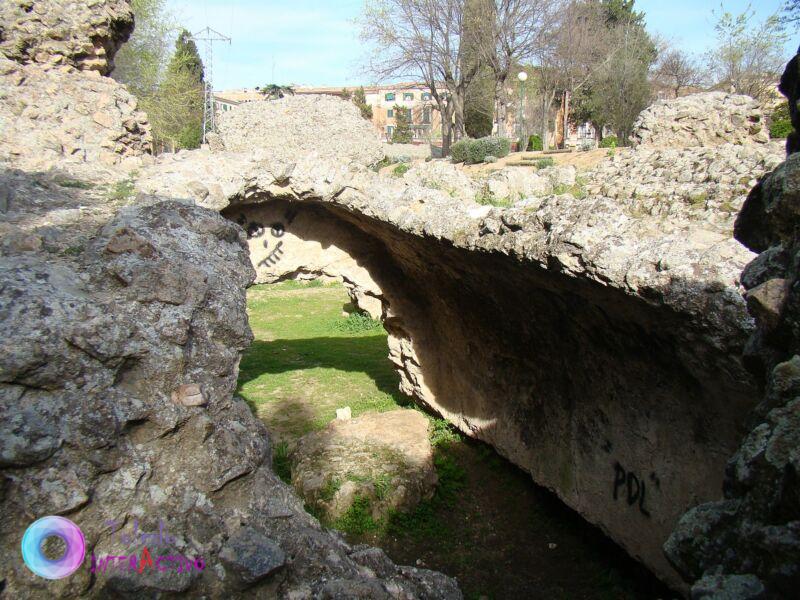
column 568, row 378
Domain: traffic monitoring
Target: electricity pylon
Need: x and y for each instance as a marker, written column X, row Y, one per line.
column 209, row 36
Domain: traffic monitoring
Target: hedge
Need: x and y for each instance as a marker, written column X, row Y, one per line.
column 535, row 143
column 475, row 151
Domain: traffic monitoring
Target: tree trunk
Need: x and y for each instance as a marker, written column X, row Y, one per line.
column 547, row 102
column 458, row 111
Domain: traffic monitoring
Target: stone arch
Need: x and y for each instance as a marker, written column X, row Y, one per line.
column 596, row 393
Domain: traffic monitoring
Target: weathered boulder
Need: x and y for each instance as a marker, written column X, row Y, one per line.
column 54, row 33
column 707, row 185
column 291, row 128
column 57, row 116
column 442, row 175
column 515, row 184
column 385, row 459
column 706, row 119
column 747, row 545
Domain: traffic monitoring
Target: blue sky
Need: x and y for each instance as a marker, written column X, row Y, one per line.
column 316, row 42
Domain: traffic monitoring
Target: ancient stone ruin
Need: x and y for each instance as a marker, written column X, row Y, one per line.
column 591, row 336
column 123, row 326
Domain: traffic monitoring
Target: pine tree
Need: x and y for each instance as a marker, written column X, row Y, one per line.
column 176, row 110
column 360, row 100
column 402, row 128
column 187, row 57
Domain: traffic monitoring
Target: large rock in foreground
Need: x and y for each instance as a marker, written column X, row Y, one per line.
column 747, row 545
column 383, row 459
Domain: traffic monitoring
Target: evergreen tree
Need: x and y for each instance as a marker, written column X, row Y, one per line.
column 176, row 110
column 619, row 86
column 187, row 57
column 402, row 128
column 621, row 11
column 360, row 100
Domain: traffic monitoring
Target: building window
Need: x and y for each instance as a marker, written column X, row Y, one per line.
column 390, row 113
column 426, row 95
column 408, row 96
column 389, row 97
column 426, row 115
column 389, row 130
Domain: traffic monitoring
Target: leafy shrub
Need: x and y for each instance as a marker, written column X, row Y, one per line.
column 610, row 141
column 357, row 322
column 384, row 162
column 535, row 143
column 543, row 163
column 475, row 151
column 123, row 190
column 400, row 170
column 489, row 158
column 780, row 129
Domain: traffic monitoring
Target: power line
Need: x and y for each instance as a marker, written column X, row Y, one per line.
column 209, row 36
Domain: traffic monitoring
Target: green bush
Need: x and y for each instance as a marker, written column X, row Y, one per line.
column 489, row 159
column 535, row 143
column 780, row 129
column 475, row 151
column 400, row 170
column 357, row 322
column 544, row 163
column 610, row 141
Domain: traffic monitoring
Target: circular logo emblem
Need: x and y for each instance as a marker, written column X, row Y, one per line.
column 63, row 529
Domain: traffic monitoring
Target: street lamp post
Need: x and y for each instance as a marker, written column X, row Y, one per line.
column 522, row 76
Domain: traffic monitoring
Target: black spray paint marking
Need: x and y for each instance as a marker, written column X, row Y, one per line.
column 635, row 487
column 273, row 257
column 255, row 229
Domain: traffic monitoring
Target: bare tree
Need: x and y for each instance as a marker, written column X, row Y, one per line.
column 678, row 70
column 423, row 39
column 580, row 44
column 515, row 30
column 749, row 56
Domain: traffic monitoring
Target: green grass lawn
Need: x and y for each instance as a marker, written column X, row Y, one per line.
column 308, row 359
